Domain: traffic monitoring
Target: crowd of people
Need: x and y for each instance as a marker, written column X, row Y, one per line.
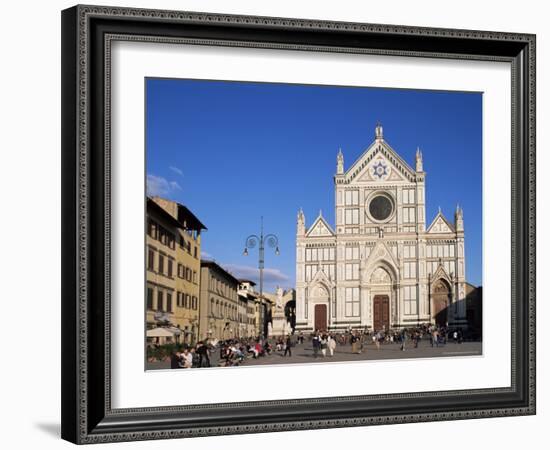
column 225, row 353
column 233, row 352
column 405, row 338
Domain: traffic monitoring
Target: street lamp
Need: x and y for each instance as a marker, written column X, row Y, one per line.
column 253, row 240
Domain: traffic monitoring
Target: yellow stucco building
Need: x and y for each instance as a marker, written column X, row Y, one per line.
column 182, row 271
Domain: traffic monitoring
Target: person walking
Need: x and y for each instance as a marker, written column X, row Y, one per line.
column 403, row 339
column 324, row 345
column 288, row 345
column 354, row 344
column 316, row 344
column 331, row 345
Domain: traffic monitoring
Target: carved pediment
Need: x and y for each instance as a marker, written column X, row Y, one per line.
column 381, row 256
column 440, row 225
column 441, row 274
column 320, row 228
column 379, row 163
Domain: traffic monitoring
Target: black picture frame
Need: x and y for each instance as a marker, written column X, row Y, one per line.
column 87, row 415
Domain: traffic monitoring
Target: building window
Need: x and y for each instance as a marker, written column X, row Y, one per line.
column 194, row 277
column 409, row 215
column 409, row 251
column 150, row 293
column 352, row 271
column 408, row 196
column 352, row 216
column 160, row 301
column 151, row 260
column 152, row 228
column 169, row 302
column 161, row 263
column 352, row 197
column 409, row 269
column 195, row 252
column 309, row 272
column 409, row 300
column 170, row 268
column 352, row 253
column 171, row 241
column 329, row 270
column 352, row 302
column 314, row 254
column 188, row 274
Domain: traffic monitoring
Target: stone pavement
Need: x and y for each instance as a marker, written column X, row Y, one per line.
column 303, row 354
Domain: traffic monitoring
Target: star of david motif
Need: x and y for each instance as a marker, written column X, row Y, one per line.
column 380, row 170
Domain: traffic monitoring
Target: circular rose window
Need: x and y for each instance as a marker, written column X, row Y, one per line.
column 380, row 207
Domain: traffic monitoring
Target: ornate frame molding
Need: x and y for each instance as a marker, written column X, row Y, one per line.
column 88, row 31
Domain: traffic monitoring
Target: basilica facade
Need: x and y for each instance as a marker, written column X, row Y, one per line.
column 383, row 266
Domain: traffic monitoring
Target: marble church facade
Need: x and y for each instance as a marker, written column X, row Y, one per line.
column 383, row 266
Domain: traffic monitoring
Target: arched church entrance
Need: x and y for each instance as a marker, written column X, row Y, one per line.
column 320, row 299
column 441, row 300
column 381, row 285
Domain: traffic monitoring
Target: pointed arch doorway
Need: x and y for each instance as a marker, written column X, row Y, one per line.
column 381, row 288
column 441, row 300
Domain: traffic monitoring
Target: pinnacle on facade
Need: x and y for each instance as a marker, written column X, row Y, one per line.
column 419, row 165
column 459, row 218
column 340, row 162
column 378, row 131
column 301, row 223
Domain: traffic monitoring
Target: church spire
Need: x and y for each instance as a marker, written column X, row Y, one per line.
column 379, row 132
column 301, row 223
column 339, row 162
column 459, row 218
column 419, row 166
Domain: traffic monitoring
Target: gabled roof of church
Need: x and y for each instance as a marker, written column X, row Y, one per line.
column 438, row 220
column 324, row 229
column 379, row 146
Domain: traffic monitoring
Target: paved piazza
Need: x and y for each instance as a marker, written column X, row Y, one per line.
column 303, row 354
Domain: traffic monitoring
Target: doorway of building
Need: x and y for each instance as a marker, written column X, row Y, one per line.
column 321, row 317
column 381, row 312
column 441, row 299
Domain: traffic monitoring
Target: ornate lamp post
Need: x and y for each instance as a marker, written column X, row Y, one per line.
column 253, row 240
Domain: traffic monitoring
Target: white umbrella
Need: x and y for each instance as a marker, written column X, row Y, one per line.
column 159, row 332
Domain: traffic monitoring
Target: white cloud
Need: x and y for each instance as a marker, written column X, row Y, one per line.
column 160, row 186
column 252, row 273
column 176, row 170
column 206, row 255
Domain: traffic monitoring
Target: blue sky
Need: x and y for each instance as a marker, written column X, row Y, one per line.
column 235, row 151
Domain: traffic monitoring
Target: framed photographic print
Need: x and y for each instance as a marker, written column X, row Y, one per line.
column 281, row 224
